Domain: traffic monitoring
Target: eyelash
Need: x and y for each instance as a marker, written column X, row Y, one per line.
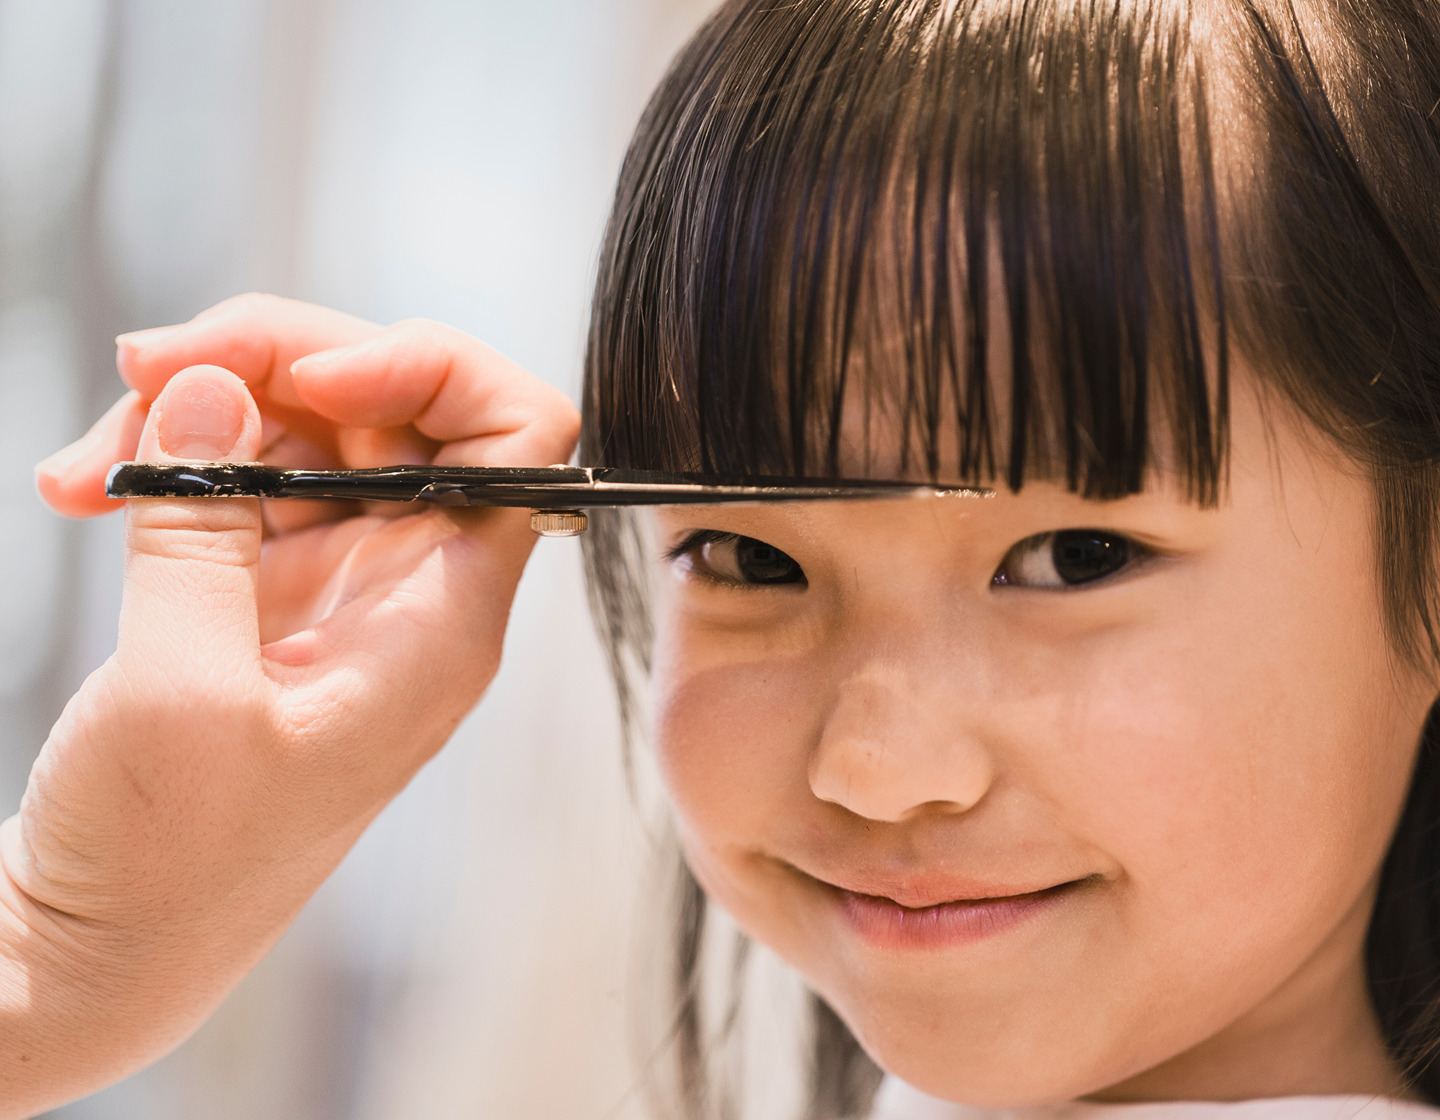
column 694, row 542
column 1028, row 552
column 697, row 539
column 1116, row 550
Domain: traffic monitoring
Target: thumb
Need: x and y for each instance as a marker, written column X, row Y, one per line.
column 191, row 565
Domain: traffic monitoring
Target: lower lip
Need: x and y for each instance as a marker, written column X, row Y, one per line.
column 886, row 924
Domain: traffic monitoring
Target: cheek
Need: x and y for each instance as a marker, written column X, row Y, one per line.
column 732, row 736
column 1245, row 777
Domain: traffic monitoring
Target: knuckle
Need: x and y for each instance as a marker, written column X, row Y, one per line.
column 209, row 531
column 251, row 305
column 192, row 544
column 238, row 332
column 425, row 328
column 424, row 341
column 250, row 318
column 566, row 416
column 555, row 416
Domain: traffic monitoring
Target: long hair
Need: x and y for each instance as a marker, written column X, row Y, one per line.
column 1027, row 235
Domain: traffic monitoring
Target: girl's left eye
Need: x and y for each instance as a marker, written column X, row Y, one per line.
column 1067, row 558
column 731, row 559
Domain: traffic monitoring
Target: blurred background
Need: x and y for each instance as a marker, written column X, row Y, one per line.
column 443, row 158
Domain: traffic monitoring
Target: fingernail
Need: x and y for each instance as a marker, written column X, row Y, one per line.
column 138, row 340
column 320, row 357
column 61, row 462
column 198, row 419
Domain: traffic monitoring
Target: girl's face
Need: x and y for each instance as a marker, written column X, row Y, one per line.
column 1046, row 796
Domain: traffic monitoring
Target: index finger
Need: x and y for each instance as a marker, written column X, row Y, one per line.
column 450, row 387
column 257, row 337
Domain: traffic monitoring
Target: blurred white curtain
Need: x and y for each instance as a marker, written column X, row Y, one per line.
column 445, row 158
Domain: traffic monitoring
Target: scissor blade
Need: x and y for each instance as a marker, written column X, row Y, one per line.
column 527, row 487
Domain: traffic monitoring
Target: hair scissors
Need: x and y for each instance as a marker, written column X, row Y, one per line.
column 557, row 495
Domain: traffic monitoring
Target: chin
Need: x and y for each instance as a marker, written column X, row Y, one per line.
column 971, row 1059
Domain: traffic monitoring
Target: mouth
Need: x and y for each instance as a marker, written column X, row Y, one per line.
column 884, row 922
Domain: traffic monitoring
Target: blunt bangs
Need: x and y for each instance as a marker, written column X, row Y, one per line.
column 975, row 240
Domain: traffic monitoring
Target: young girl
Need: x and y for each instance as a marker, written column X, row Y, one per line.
column 1118, row 785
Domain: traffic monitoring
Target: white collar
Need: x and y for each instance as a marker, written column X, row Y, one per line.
column 899, row 1101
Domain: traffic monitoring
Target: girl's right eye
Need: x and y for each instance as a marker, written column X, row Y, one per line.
column 731, row 559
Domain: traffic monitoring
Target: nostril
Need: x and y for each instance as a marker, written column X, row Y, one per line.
column 939, row 808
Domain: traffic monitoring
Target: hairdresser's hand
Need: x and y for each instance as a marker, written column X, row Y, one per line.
column 266, row 699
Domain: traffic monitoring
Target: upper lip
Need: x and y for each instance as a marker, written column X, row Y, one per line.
column 920, row 889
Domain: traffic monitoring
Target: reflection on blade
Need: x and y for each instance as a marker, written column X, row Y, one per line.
column 531, row 487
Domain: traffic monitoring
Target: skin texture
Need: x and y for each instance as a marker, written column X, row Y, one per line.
column 276, row 682
column 1212, row 746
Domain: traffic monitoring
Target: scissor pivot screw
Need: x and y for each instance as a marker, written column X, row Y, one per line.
column 559, row 522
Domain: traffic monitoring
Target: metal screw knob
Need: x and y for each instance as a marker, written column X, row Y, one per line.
column 558, row 522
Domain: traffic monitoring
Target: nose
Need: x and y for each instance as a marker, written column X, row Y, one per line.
column 888, row 752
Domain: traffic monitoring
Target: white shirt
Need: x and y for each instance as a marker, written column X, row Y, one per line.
column 898, row 1101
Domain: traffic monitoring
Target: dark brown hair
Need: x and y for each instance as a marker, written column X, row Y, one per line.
column 1027, row 234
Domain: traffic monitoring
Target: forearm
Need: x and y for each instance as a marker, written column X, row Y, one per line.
column 85, row 1001
column 81, row 1006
